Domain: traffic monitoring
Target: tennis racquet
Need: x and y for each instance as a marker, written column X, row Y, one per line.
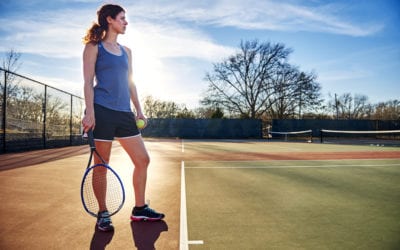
column 101, row 187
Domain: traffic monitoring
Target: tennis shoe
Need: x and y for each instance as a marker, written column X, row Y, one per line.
column 146, row 214
column 104, row 221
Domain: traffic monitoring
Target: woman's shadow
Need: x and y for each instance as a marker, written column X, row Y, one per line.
column 145, row 234
column 100, row 239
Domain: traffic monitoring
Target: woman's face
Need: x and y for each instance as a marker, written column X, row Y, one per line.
column 119, row 23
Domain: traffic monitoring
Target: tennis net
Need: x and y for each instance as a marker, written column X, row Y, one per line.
column 376, row 137
column 298, row 136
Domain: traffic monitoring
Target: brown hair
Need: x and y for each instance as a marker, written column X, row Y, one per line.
column 98, row 30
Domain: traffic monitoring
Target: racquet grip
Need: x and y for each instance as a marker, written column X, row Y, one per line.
column 91, row 139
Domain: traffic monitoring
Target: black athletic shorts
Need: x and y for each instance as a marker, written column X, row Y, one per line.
column 112, row 124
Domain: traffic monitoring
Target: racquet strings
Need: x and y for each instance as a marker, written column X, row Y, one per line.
column 102, row 190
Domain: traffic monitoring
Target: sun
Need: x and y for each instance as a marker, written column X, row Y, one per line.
column 150, row 74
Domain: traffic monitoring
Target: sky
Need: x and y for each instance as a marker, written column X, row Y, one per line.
column 351, row 45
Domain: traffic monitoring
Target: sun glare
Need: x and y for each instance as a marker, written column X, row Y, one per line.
column 149, row 72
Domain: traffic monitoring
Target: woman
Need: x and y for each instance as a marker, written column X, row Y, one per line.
column 108, row 105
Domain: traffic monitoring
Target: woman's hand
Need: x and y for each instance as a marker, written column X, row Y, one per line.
column 88, row 121
column 140, row 116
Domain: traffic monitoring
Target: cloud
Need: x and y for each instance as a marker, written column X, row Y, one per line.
column 258, row 15
column 173, row 40
column 59, row 34
column 173, row 26
column 341, row 75
column 46, row 33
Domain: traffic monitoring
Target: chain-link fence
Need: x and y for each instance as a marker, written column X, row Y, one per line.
column 36, row 116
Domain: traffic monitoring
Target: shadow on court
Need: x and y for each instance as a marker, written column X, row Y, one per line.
column 100, row 239
column 145, row 234
column 25, row 159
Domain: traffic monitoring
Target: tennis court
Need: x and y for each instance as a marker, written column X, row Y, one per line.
column 237, row 195
column 257, row 195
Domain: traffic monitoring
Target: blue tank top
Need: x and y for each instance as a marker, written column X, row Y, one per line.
column 112, row 84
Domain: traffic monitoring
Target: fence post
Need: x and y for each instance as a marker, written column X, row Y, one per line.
column 70, row 123
column 4, row 111
column 44, row 110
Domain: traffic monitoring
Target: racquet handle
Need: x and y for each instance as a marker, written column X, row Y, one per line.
column 89, row 136
column 91, row 139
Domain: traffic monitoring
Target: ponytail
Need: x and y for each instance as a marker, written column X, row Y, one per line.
column 98, row 30
column 95, row 34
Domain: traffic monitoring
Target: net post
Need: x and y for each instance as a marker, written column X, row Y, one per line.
column 320, row 135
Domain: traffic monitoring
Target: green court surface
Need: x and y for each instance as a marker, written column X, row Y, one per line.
column 291, row 204
column 216, row 194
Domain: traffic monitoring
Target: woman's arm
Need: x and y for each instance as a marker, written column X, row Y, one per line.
column 89, row 62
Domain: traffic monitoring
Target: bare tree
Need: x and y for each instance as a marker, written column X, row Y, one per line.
column 243, row 84
column 307, row 94
column 389, row 110
column 165, row 109
column 11, row 61
column 284, row 102
column 258, row 80
column 295, row 92
column 348, row 106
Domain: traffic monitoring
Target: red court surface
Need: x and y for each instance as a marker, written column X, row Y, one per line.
column 41, row 206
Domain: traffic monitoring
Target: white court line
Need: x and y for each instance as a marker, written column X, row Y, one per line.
column 184, row 241
column 296, row 166
column 183, row 230
column 196, row 242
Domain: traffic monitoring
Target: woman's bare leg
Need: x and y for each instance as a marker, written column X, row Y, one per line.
column 100, row 187
column 136, row 150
